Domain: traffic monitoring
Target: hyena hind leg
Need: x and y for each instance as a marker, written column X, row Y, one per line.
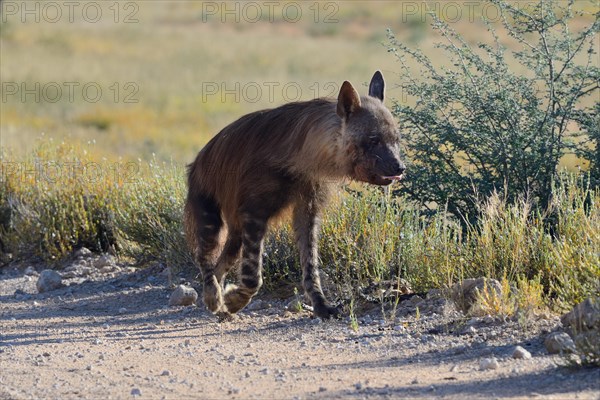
column 237, row 297
column 205, row 219
column 229, row 256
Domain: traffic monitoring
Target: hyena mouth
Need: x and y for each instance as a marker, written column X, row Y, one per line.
column 393, row 177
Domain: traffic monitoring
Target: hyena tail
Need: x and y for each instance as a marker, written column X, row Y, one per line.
column 203, row 223
column 202, row 216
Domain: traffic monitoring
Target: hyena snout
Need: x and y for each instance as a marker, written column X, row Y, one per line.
column 389, row 166
column 396, row 168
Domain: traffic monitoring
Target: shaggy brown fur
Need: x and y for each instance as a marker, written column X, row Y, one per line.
column 272, row 160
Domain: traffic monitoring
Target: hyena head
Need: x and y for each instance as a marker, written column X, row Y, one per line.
column 369, row 134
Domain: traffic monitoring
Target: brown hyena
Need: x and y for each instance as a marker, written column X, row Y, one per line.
column 272, row 160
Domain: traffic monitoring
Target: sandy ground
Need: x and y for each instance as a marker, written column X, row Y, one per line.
column 113, row 336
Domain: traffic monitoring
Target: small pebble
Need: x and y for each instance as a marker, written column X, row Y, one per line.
column 488, row 364
column 520, row 353
column 183, row 296
column 48, row 280
column 83, row 252
column 559, row 342
column 103, row 261
column 470, row 330
column 256, row 305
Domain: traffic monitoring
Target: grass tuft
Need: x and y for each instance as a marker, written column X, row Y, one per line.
column 542, row 257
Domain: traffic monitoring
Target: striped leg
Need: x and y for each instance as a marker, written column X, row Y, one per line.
column 207, row 226
column 237, row 297
column 229, row 256
column 306, row 228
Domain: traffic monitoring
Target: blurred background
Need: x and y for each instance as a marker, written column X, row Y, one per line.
column 136, row 80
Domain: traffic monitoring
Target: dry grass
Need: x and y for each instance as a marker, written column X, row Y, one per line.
column 548, row 257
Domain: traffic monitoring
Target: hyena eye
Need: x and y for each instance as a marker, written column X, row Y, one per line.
column 374, row 141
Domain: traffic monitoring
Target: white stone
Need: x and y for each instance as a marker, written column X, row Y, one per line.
column 103, row 261
column 520, row 353
column 83, row 252
column 183, row 296
column 488, row 364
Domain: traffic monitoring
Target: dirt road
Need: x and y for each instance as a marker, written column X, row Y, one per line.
column 112, row 335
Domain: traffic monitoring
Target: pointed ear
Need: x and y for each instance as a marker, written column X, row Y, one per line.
column 377, row 86
column 348, row 100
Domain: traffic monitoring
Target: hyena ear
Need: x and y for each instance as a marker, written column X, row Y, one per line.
column 348, row 100
column 377, row 86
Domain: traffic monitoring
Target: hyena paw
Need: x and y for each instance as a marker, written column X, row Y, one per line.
column 224, row 316
column 325, row 311
column 235, row 299
column 213, row 298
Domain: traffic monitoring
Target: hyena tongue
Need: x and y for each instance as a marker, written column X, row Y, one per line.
column 393, row 177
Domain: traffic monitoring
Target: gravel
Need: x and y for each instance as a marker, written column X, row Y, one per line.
column 155, row 351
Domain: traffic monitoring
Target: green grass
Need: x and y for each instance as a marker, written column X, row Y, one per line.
column 367, row 235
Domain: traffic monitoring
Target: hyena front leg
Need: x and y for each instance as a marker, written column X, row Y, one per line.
column 237, row 297
column 306, row 228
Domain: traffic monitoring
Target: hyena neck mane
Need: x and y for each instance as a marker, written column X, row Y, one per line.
column 302, row 139
column 327, row 146
column 309, row 140
column 315, row 141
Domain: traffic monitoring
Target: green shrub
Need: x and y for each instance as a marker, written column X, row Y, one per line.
column 479, row 126
column 51, row 205
column 150, row 216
